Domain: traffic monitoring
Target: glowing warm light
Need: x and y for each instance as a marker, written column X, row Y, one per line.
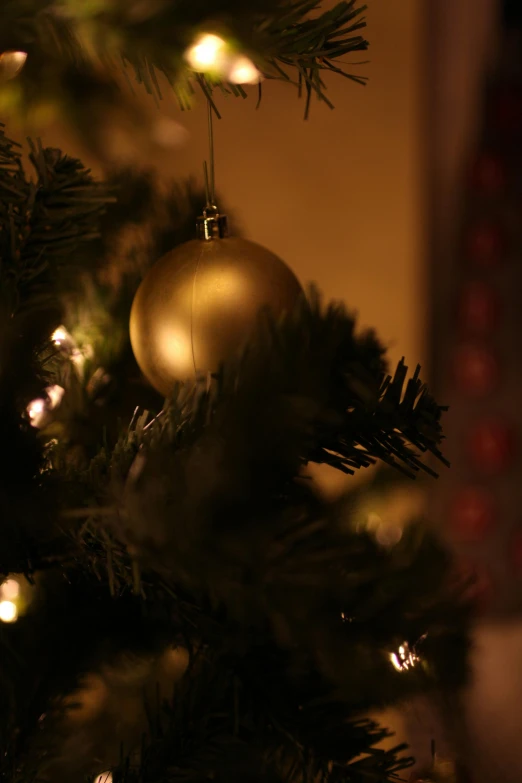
column 405, row 658
column 60, row 335
column 105, row 777
column 388, row 535
column 176, row 346
column 11, row 63
column 8, row 612
column 243, row 71
column 64, row 340
column 36, row 412
column 10, row 589
column 397, row 664
column 55, row 394
column 38, row 409
column 207, row 53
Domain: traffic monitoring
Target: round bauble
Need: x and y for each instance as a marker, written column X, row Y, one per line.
column 197, row 305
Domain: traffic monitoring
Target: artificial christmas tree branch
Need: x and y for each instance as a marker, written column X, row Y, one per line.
column 290, row 40
column 42, row 222
column 190, row 528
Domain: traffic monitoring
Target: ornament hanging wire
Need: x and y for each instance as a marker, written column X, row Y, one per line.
column 211, row 224
column 210, row 181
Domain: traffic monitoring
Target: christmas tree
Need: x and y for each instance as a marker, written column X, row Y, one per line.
column 178, row 602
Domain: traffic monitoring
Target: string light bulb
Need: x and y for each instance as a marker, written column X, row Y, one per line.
column 55, row 395
column 243, row 71
column 16, row 593
column 212, row 54
column 8, row 612
column 404, row 659
column 209, row 52
column 10, row 589
column 65, row 342
column 36, row 412
column 60, row 336
column 38, row 409
column 105, row 777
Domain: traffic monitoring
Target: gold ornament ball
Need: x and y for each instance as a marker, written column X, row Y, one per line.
column 198, row 304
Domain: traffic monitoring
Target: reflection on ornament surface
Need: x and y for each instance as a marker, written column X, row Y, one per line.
column 199, row 303
column 178, row 345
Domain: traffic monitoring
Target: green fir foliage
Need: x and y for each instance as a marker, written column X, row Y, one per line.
column 69, row 42
column 191, row 524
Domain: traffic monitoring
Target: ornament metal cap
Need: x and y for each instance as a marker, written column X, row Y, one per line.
column 211, row 224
